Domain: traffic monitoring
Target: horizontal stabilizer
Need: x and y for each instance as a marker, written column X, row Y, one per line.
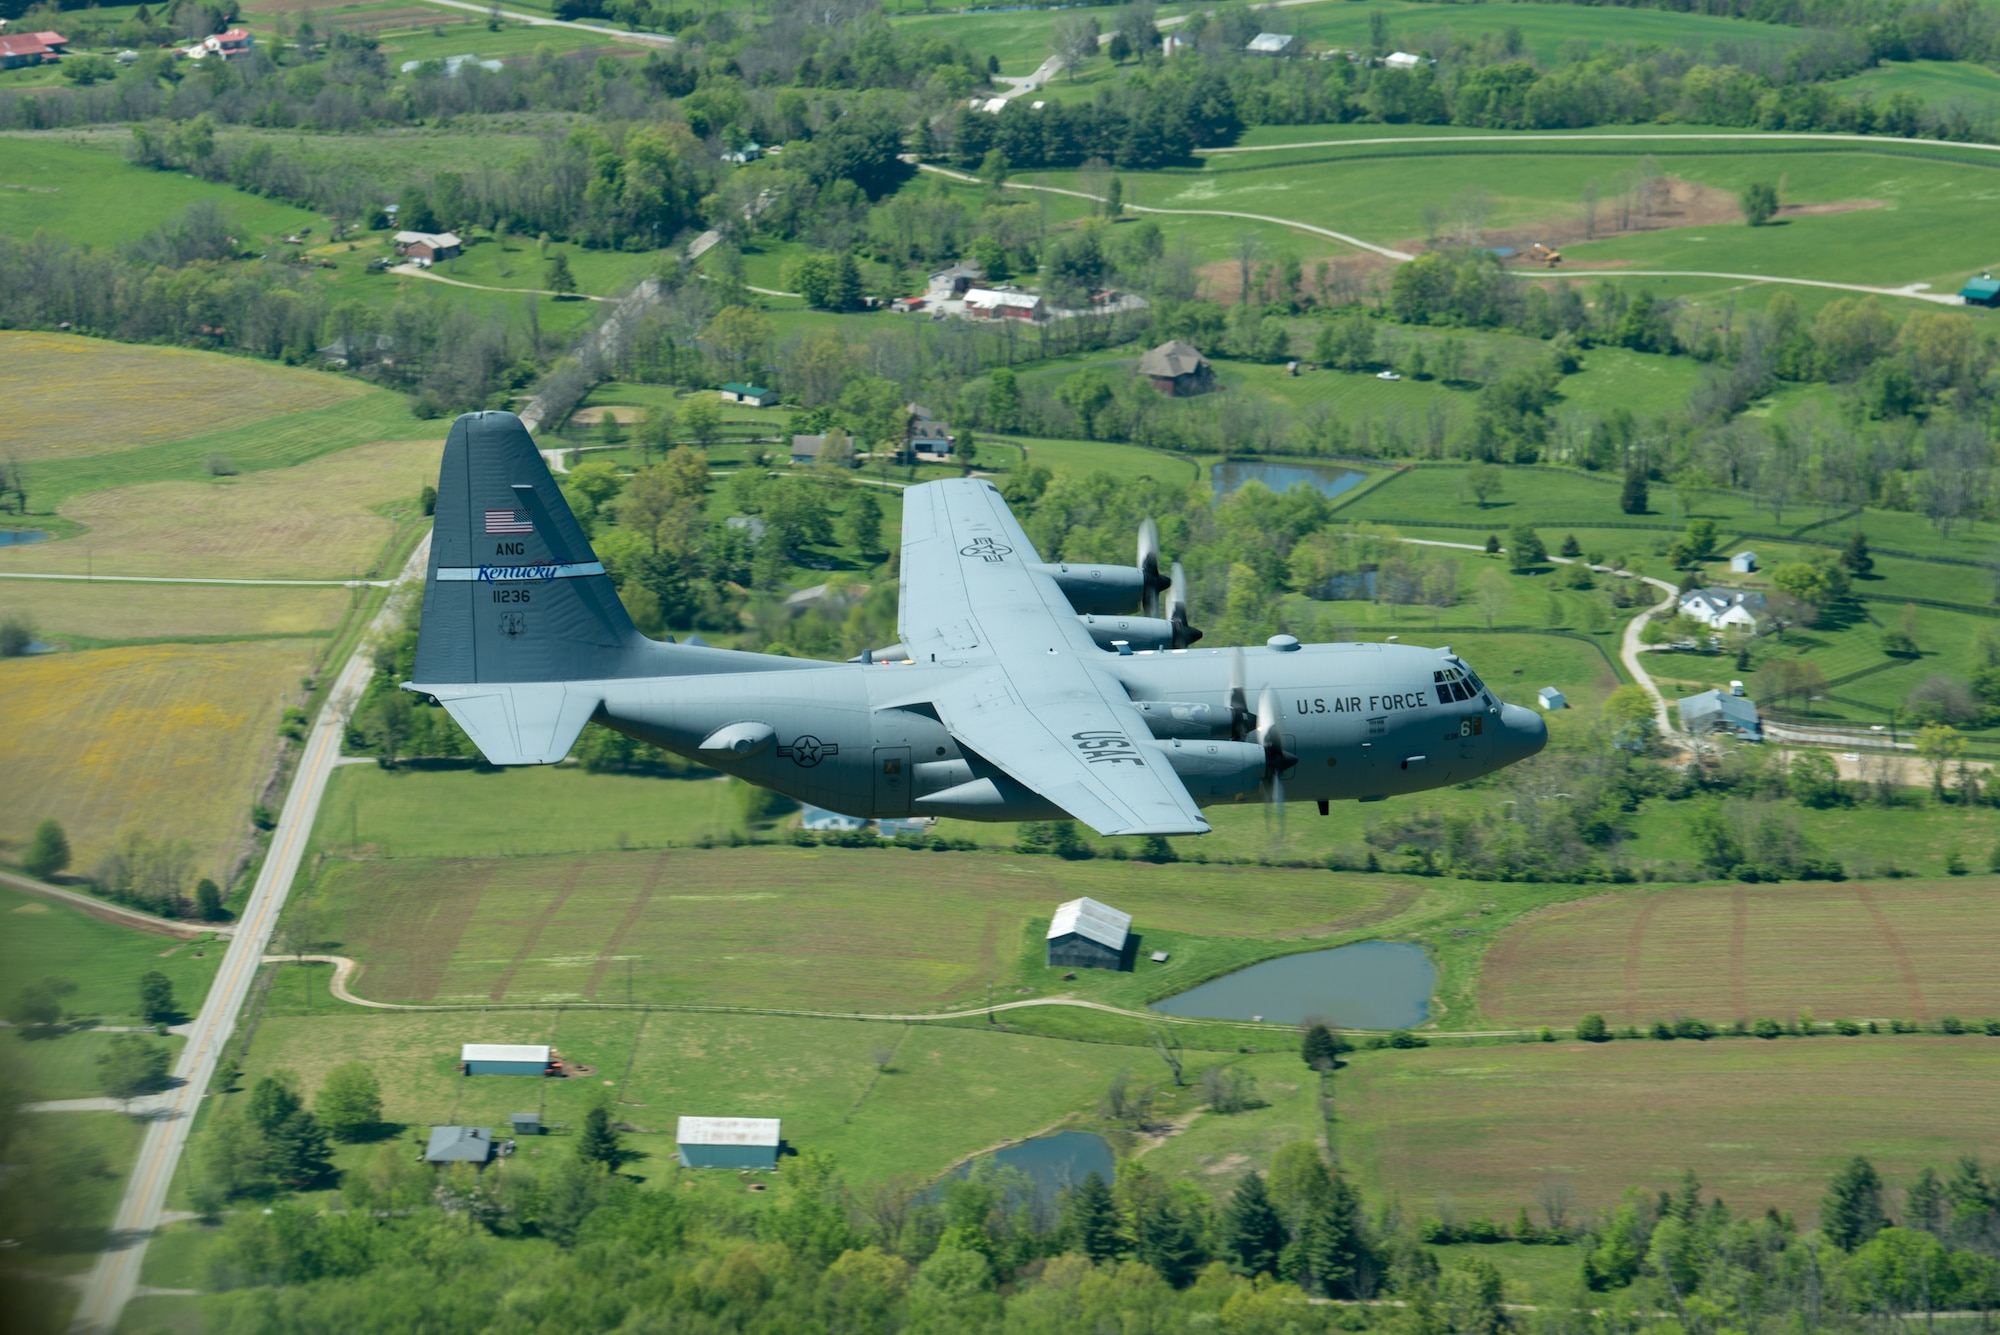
column 521, row 723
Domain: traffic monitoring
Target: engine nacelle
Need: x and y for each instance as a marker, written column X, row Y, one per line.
column 1180, row 718
column 1099, row 590
column 995, row 798
column 1215, row 769
column 1137, row 632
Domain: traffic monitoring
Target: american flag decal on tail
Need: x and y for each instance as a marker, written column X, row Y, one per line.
column 507, row 521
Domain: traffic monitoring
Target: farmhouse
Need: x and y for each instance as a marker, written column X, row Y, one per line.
column 728, row 1142
column 1715, row 711
column 950, row 284
column 982, row 303
column 1981, row 291
column 28, row 48
column 459, row 1144
column 1720, row 609
column 1177, row 370
column 506, row 1059
column 925, row 438
column 819, row 818
column 1085, row 934
column 755, row 395
column 236, row 44
column 424, row 247
column 1402, row 60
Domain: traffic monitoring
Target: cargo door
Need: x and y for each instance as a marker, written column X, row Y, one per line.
column 892, row 781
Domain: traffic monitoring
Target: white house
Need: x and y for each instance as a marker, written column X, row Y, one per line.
column 1001, row 304
column 1270, row 43
column 818, row 818
column 1743, row 563
column 1719, row 609
column 1402, row 60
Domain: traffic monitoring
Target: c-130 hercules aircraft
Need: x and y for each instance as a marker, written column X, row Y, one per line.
column 1022, row 690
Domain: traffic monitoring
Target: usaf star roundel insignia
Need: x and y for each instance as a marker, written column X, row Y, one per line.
column 807, row 750
column 987, row 550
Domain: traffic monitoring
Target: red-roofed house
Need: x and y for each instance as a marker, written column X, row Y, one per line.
column 18, row 52
column 54, row 41
column 232, row 45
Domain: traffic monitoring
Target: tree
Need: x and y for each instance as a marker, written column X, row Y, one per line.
column 1090, row 1220
column 1804, row 581
column 208, row 901
column 413, row 211
column 1493, row 592
column 1074, row 41
column 156, row 998
column 296, row 1152
column 599, row 1142
column 1328, row 1253
column 1253, row 1235
column 1855, row 555
column 1592, row 1029
column 1629, row 708
column 861, row 523
column 1938, row 745
column 40, row 1004
column 349, row 1104
column 1815, row 780
column 1320, row 1048
column 48, row 850
column 702, row 419
column 655, row 431
column 560, row 280
column 1632, row 500
column 1851, row 1211
column 17, row 634
column 1485, row 481
column 1524, row 549
column 1492, row 545
column 1760, row 202
column 387, row 725
column 132, row 1066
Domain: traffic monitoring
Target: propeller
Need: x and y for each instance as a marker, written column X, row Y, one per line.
column 1240, row 717
column 1277, row 760
column 1151, row 582
column 1176, row 609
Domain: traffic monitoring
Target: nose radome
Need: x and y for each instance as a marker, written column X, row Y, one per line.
column 1523, row 732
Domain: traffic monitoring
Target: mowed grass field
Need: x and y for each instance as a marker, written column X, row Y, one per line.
column 97, row 198
column 839, row 929
column 1896, row 949
column 98, row 612
column 1480, row 1131
column 71, row 397
column 947, row 1093
column 322, row 519
column 169, row 739
column 104, row 961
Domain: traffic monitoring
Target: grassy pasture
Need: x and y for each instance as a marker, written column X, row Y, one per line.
column 66, row 1067
column 1216, row 1150
column 72, row 1171
column 104, row 960
column 783, row 926
column 322, row 519
column 1545, row 29
column 1940, row 84
column 92, row 615
column 817, row 1075
column 169, row 738
column 100, row 199
column 73, row 397
column 1761, row 1124
column 1905, row 949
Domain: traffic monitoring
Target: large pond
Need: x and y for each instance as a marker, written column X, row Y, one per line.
column 15, row 537
column 1327, row 479
column 1054, row 1162
column 1373, row 985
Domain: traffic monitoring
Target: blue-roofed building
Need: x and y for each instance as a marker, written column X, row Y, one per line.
column 1981, row 291
column 1718, row 711
column 459, row 1144
column 505, row 1059
column 819, row 818
column 892, row 826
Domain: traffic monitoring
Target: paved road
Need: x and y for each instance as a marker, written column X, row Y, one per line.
column 114, row 1279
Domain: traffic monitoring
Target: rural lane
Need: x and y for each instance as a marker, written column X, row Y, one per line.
column 1629, row 653
column 113, row 1281
column 543, row 21
column 109, row 912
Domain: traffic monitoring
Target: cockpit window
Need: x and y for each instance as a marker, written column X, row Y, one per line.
column 1454, row 683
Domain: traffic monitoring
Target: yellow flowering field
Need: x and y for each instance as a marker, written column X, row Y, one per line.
column 103, row 611
column 324, row 519
column 69, row 397
column 170, row 739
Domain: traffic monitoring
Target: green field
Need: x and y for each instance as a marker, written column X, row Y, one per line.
column 1547, row 31
column 99, row 199
column 1482, row 1132
column 1941, row 85
column 45, row 938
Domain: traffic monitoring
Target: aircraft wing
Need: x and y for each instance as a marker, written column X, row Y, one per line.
column 1031, row 701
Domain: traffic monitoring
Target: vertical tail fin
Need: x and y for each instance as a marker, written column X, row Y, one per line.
column 514, row 593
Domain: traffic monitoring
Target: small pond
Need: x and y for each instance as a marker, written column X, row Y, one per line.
column 1327, row 479
column 1054, row 1162
column 1373, row 985
column 15, row 537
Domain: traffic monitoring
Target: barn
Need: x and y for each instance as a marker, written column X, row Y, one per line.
column 459, row 1144
column 1177, row 369
column 1085, row 934
column 504, row 1059
column 728, row 1142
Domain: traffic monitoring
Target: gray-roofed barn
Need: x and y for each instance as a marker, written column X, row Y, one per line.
column 1085, row 934
column 1718, row 711
column 1177, row 369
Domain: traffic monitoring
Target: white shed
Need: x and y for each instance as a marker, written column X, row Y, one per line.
column 1743, row 563
column 1552, row 698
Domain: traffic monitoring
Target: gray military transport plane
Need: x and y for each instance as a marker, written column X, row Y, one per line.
column 1022, row 689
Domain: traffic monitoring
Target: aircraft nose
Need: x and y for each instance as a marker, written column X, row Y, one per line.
column 1523, row 733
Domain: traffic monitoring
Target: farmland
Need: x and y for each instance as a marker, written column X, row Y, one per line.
column 91, row 615
column 77, row 397
column 814, row 928
column 102, row 959
column 1483, row 1131
column 323, row 519
column 168, row 739
column 1897, row 949
column 99, row 198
